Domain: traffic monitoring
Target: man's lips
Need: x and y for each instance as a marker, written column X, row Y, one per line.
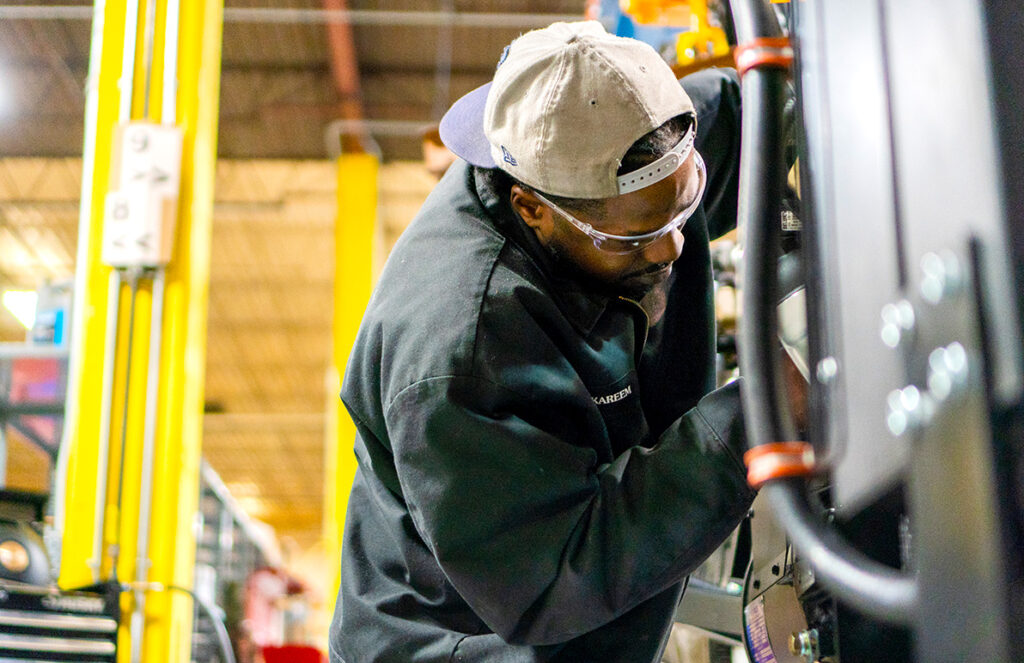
column 652, row 274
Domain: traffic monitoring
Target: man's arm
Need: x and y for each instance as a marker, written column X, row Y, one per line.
column 540, row 540
column 716, row 99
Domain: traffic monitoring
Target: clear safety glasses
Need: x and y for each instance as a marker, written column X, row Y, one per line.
column 630, row 243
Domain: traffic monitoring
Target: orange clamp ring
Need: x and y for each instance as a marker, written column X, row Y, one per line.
column 764, row 52
column 777, row 460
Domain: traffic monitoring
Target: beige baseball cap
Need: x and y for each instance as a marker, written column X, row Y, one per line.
column 566, row 103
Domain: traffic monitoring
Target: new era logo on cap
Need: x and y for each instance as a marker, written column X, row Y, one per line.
column 507, row 157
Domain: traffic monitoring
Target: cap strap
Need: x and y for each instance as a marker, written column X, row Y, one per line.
column 777, row 460
column 658, row 170
column 764, row 52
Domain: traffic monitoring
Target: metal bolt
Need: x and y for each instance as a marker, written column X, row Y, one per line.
column 947, row 371
column 804, row 644
column 908, row 410
column 897, row 322
column 827, row 370
column 942, row 276
column 803, row 576
column 14, row 556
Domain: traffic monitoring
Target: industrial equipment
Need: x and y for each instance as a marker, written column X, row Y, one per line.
column 891, row 529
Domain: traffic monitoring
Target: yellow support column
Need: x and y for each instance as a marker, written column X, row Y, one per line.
column 181, row 362
column 87, row 343
column 353, row 276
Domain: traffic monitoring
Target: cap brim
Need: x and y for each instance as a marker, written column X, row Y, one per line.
column 462, row 128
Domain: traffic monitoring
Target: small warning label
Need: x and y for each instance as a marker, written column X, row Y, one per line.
column 757, row 633
column 790, row 222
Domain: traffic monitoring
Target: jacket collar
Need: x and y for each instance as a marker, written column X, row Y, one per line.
column 582, row 306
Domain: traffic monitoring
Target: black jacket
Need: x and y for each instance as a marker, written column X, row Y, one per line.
column 536, row 476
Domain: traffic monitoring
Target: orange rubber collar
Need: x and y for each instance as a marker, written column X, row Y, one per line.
column 764, row 52
column 777, row 460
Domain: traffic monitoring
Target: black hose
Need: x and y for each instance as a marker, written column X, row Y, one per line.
column 854, row 578
column 221, row 631
column 762, row 170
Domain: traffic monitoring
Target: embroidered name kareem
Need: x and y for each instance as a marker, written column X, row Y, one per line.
column 613, row 398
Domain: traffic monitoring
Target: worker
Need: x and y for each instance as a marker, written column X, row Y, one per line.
column 542, row 456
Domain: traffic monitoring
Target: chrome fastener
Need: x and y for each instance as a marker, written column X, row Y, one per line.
column 897, row 322
column 942, row 276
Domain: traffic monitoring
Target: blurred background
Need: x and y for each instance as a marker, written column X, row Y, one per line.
column 299, row 87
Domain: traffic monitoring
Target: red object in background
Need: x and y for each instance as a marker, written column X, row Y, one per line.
column 38, row 381
column 264, row 588
column 293, row 654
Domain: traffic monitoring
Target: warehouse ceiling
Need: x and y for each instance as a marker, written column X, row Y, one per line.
column 282, row 67
column 287, row 94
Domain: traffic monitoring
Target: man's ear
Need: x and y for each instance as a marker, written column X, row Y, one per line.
column 533, row 212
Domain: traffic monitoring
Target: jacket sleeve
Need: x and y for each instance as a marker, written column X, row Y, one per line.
column 716, row 99
column 540, row 540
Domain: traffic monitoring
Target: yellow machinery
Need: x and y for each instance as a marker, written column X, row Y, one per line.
column 702, row 41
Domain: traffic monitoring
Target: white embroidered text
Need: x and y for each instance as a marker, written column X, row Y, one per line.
column 613, row 398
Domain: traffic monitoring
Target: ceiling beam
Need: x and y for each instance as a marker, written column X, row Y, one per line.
column 503, row 21
column 499, row 20
column 27, row 66
column 263, row 422
column 345, row 72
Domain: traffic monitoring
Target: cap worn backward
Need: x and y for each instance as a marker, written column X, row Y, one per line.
column 462, row 128
column 569, row 100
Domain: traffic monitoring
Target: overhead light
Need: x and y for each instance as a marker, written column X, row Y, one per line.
column 243, row 489
column 22, row 305
column 254, row 507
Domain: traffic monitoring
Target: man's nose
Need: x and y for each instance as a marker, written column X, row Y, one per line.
column 665, row 249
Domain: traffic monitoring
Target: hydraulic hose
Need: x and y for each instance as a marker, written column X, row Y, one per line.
column 854, row 578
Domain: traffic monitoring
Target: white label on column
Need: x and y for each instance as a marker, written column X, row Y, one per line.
column 141, row 215
column 151, row 156
column 128, row 239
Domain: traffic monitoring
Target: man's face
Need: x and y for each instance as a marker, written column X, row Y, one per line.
column 647, row 210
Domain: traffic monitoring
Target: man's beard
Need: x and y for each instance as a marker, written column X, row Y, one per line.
column 652, row 298
column 655, row 302
column 565, row 267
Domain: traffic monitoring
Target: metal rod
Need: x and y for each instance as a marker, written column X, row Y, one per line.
column 32, row 351
column 319, row 16
column 312, row 422
column 148, row 46
column 168, row 114
column 116, row 547
column 383, row 17
column 31, row 435
column 443, row 73
column 53, row 535
column 3, row 453
column 51, row 13
column 106, row 403
column 29, row 409
column 142, row 562
column 381, row 127
column 235, row 513
column 126, row 83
